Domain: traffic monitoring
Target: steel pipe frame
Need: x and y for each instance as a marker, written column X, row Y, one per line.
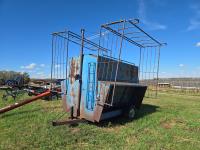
column 75, row 42
column 81, row 72
column 145, row 33
column 130, row 39
column 72, row 35
column 133, row 22
column 121, row 21
column 122, row 36
column 147, row 37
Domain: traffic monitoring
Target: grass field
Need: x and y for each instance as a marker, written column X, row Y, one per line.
column 168, row 122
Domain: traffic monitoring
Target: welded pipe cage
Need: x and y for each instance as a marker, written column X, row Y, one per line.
column 121, row 42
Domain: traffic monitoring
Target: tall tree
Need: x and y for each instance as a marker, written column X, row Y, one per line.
column 21, row 78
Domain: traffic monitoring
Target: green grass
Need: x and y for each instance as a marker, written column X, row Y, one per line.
column 168, row 122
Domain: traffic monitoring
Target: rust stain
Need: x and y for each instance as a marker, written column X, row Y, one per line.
column 72, row 94
column 72, row 71
column 100, row 104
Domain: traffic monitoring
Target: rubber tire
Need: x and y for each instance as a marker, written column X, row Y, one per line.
column 130, row 112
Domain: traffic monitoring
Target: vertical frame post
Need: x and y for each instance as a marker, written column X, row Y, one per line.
column 98, row 98
column 139, row 63
column 119, row 60
column 67, row 59
column 158, row 71
column 81, row 70
column 52, row 63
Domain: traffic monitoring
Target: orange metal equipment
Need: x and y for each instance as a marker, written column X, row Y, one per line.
column 24, row 102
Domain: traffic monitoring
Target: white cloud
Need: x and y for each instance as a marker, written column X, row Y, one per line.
column 195, row 20
column 42, row 65
column 142, row 15
column 194, row 24
column 30, row 66
column 198, row 44
column 39, row 75
column 181, row 65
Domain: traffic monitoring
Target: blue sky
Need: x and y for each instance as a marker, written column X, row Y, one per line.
column 25, row 27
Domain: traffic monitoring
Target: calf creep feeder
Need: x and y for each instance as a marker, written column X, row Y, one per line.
column 107, row 74
column 103, row 75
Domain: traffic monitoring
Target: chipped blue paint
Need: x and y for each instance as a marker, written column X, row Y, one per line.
column 88, row 103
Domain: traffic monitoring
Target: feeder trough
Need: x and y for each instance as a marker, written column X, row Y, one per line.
column 100, row 101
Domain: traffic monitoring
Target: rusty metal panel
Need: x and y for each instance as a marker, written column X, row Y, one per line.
column 104, row 88
column 74, row 83
column 107, row 69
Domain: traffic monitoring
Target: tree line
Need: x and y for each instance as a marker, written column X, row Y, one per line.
column 13, row 75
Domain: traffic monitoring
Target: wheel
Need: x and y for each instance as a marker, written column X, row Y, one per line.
column 130, row 112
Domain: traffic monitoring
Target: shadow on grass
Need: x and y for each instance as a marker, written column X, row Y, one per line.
column 145, row 110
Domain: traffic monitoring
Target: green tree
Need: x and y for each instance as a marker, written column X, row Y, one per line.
column 23, row 78
column 26, row 78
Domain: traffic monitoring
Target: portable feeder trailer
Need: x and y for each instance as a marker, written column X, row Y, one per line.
column 98, row 102
column 97, row 83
